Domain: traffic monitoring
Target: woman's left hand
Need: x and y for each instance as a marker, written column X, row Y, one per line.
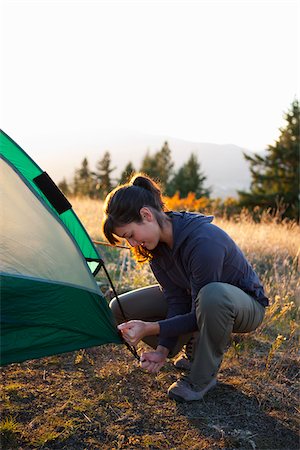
column 153, row 361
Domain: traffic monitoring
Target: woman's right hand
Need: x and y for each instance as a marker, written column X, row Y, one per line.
column 134, row 330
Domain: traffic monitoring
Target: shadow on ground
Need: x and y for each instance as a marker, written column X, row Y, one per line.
column 237, row 420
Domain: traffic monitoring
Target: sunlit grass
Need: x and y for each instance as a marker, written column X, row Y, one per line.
column 9, row 430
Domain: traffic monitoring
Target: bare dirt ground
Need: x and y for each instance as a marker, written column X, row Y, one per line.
column 100, row 399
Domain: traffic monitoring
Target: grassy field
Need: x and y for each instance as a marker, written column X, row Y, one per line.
column 100, row 399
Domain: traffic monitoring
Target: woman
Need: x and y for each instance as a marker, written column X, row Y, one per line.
column 205, row 285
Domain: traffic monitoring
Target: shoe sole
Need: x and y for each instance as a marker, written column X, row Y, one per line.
column 179, row 399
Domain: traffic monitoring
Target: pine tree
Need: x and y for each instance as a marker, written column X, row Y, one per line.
column 64, row 187
column 164, row 164
column 148, row 165
column 103, row 175
column 275, row 177
column 189, row 178
column 159, row 166
column 127, row 173
column 83, row 183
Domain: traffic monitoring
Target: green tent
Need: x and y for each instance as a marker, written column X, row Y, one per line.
column 50, row 301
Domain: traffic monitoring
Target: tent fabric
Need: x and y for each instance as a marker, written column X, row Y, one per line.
column 50, row 301
column 30, row 170
column 42, row 318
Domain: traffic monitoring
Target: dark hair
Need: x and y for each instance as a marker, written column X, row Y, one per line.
column 123, row 205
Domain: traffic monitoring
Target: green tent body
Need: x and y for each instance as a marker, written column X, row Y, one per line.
column 50, row 301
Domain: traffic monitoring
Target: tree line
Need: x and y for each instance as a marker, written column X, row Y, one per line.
column 274, row 177
column 160, row 166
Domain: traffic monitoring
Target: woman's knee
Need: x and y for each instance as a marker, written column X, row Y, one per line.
column 211, row 297
column 115, row 308
column 215, row 313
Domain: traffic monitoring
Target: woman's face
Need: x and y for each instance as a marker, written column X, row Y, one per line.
column 146, row 233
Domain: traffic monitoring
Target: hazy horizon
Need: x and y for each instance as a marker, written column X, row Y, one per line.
column 79, row 77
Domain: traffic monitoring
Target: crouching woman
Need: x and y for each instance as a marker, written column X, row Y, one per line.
column 206, row 287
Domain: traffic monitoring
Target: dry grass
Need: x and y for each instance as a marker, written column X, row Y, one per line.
column 100, row 399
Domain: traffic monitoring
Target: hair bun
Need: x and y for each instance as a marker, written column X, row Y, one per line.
column 152, row 188
column 140, row 181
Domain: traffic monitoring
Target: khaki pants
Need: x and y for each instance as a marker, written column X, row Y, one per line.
column 220, row 310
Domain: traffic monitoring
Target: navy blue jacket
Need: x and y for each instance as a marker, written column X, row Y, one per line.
column 202, row 253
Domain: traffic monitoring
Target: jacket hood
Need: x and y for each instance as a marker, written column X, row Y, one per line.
column 184, row 223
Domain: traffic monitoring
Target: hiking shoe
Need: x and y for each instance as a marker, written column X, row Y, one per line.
column 183, row 391
column 183, row 363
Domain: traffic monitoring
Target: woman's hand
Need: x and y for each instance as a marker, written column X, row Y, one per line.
column 153, row 361
column 134, row 330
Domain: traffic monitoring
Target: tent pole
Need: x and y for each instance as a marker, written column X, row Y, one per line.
column 132, row 349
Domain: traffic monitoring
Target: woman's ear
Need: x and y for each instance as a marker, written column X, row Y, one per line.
column 146, row 214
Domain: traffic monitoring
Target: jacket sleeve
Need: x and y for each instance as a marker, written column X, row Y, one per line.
column 180, row 319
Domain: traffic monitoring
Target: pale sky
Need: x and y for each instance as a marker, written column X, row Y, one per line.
column 205, row 71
